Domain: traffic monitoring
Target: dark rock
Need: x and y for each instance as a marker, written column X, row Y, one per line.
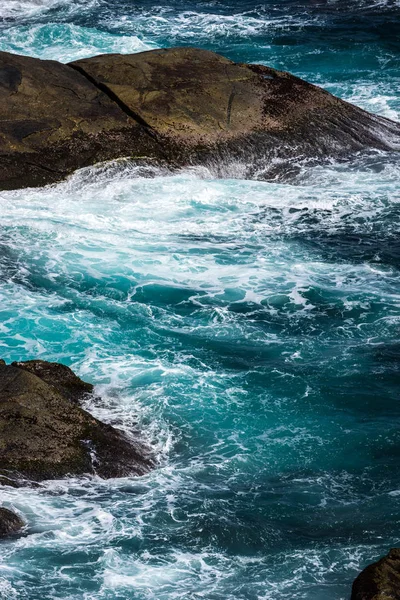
column 61, row 377
column 43, row 435
column 379, row 581
column 10, row 523
column 175, row 106
column 53, row 121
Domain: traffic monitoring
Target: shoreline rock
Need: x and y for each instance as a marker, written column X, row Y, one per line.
column 54, row 121
column 175, row 107
column 10, row 523
column 379, row 581
column 45, row 434
column 61, row 377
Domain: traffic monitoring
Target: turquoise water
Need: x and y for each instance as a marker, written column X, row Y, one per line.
column 250, row 329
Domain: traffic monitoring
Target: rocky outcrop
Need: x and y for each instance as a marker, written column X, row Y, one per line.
column 61, row 377
column 10, row 523
column 45, row 434
column 198, row 100
column 379, row 581
column 53, row 121
column 176, row 106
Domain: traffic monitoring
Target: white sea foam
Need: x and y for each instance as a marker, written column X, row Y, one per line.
column 208, row 312
column 158, row 288
column 34, row 10
column 190, row 25
column 208, row 211
column 136, row 31
column 26, row 8
column 375, row 97
column 67, row 42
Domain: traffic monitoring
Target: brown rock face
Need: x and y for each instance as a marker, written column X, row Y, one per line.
column 379, row 581
column 177, row 106
column 61, row 377
column 203, row 103
column 193, row 96
column 10, row 523
column 45, row 435
column 53, row 121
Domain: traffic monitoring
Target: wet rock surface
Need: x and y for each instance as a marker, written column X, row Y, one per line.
column 44, row 434
column 379, row 581
column 10, row 523
column 175, row 107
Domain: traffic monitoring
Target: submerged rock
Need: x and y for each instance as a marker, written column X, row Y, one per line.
column 10, row 523
column 177, row 106
column 44, row 434
column 379, row 581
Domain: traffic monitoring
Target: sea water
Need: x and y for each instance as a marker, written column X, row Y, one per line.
column 249, row 330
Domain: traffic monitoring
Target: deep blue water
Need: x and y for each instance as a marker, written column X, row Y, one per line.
column 250, row 329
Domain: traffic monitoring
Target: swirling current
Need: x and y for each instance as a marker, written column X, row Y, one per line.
column 250, row 329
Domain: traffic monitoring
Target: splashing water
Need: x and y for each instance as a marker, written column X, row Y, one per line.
column 250, row 328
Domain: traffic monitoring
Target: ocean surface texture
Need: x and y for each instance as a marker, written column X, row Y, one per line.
column 249, row 329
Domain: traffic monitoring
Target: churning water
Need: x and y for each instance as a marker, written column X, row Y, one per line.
column 250, row 329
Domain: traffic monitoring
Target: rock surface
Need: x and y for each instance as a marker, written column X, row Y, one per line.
column 379, row 581
column 10, row 523
column 177, row 106
column 61, row 377
column 53, row 121
column 199, row 100
column 44, row 434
